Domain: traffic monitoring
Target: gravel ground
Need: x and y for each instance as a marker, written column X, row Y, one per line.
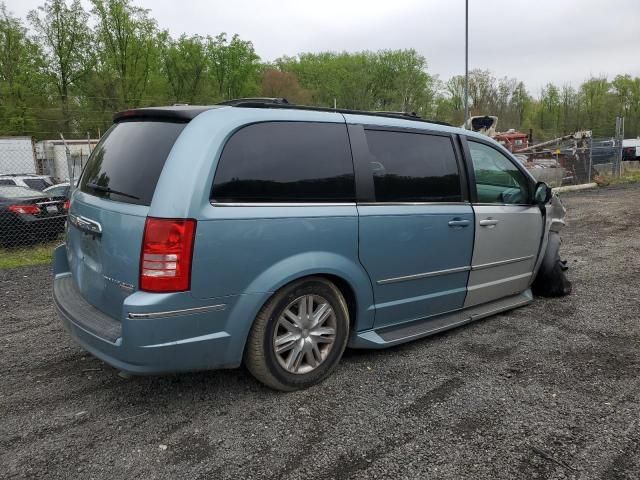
column 547, row 391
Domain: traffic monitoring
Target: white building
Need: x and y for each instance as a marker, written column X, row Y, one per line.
column 17, row 155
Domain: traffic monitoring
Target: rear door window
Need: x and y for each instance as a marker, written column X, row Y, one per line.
column 286, row 162
column 126, row 164
column 413, row 167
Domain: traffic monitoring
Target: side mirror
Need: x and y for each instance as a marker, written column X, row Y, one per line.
column 542, row 194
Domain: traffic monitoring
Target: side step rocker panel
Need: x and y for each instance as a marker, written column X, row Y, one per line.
column 387, row 337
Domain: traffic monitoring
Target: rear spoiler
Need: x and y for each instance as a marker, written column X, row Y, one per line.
column 180, row 114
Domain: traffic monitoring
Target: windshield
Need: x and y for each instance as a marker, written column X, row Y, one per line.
column 126, row 164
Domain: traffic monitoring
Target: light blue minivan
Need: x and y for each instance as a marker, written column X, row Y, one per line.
column 276, row 235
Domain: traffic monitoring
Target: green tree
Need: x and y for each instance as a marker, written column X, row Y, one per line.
column 568, row 110
column 22, row 91
column 454, row 91
column 63, row 34
column 593, row 97
column 549, row 109
column 386, row 80
column 520, row 103
column 482, row 92
column 184, row 62
column 401, row 82
column 234, row 66
column 128, row 41
column 626, row 91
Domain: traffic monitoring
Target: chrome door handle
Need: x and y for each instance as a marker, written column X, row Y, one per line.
column 459, row 223
column 489, row 222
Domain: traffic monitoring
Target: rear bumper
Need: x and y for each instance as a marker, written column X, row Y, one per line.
column 168, row 340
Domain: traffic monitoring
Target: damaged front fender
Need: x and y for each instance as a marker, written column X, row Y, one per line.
column 555, row 214
column 550, row 273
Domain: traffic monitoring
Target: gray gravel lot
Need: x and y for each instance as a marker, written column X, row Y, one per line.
column 547, row 391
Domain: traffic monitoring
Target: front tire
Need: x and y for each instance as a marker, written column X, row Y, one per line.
column 552, row 280
column 299, row 336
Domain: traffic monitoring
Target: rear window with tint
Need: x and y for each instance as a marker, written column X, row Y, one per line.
column 37, row 183
column 126, row 164
column 286, row 162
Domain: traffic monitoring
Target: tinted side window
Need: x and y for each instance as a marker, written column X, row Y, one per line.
column 412, row 167
column 6, row 181
column 498, row 180
column 286, row 162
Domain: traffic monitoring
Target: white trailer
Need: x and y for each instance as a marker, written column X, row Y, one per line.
column 632, row 143
column 17, row 155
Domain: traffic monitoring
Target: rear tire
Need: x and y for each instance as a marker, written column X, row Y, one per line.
column 299, row 336
column 552, row 280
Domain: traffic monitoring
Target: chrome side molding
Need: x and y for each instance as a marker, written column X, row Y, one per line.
column 423, row 275
column 501, row 262
column 176, row 313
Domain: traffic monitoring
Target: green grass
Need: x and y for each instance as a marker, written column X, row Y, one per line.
column 40, row 254
column 627, row 177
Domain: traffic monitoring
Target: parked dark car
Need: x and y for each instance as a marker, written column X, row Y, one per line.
column 27, row 215
column 603, row 151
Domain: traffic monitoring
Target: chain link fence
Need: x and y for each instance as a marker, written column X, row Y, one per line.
column 35, row 183
column 574, row 161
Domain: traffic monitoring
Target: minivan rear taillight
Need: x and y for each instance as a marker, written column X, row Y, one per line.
column 165, row 261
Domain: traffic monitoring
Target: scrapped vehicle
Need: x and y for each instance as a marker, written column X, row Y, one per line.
column 27, row 215
column 275, row 235
column 28, row 180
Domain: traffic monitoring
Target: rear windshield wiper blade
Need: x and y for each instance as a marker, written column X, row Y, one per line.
column 95, row 186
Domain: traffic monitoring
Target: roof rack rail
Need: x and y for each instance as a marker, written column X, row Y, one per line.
column 255, row 102
column 284, row 104
column 399, row 114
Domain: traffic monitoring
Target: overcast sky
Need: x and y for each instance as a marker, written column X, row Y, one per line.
column 562, row 41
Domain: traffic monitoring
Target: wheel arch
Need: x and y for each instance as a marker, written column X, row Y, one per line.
column 348, row 275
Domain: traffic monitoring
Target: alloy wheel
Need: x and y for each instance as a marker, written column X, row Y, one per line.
column 304, row 334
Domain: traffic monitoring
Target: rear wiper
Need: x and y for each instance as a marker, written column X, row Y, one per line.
column 100, row 188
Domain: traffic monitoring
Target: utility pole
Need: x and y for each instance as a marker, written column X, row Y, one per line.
column 619, row 150
column 466, row 61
